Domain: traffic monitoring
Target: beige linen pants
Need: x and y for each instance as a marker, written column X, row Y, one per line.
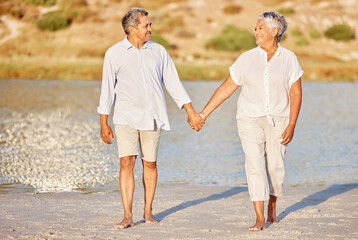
column 264, row 155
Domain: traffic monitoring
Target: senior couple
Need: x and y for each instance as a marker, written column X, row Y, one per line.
column 134, row 72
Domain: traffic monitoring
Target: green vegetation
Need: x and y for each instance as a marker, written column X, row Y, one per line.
column 301, row 41
column 160, row 40
column 41, row 2
column 339, row 32
column 286, row 11
column 52, row 21
column 232, row 9
column 165, row 22
column 296, row 32
column 232, row 39
column 202, row 72
column 314, row 33
column 51, row 70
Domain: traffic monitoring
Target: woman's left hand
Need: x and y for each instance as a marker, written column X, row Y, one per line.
column 287, row 135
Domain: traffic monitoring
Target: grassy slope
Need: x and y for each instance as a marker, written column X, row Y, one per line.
column 77, row 52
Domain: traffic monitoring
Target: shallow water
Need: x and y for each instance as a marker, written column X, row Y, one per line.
column 49, row 139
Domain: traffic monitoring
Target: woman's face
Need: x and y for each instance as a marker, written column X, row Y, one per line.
column 263, row 34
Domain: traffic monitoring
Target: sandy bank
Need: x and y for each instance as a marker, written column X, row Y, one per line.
column 184, row 212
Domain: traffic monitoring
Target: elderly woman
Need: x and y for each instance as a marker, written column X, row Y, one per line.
column 267, row 111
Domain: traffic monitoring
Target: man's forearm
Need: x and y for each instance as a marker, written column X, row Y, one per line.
column 103, row 119
column 189, row 108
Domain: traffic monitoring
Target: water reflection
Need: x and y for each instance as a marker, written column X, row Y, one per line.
column 49, row 139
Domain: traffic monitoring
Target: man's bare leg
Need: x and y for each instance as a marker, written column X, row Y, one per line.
column 150, row 183
column 271, row 210
column 260, row 219
column 126, row 182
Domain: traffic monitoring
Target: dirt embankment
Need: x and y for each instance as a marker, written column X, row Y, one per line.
column 76, row 52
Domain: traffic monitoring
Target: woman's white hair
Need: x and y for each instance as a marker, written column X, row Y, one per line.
column 275, row 20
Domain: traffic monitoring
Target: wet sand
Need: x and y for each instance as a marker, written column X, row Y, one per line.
column 183, row 212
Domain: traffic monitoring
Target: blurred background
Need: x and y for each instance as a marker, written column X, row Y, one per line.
column 67, row 39
column 49, row 128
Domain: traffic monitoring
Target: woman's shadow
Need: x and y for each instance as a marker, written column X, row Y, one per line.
column 312, row 200
column 318, row 198
column 233, row 191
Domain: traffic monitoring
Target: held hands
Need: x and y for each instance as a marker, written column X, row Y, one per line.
column 195, row 121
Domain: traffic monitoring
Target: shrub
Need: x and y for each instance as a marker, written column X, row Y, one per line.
column 166, row 23
column 184, row 33
column 302, row 41
column 339, row 32
column 286, row 11
column 52, row 21
column 160, row 40
column 314, row 33
column 15, row 9
column 41, row 2
column 71, row 4
column 232, row 39
column 232, row 9
column 296, row 32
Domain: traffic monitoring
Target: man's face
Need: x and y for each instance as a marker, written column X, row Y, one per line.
column 143, row 32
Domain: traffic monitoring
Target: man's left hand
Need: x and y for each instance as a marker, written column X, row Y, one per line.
column 195, row 121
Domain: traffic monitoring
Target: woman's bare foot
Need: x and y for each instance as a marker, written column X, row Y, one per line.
column 260, row 219
column 125, row 223
column 258, row 227
column 271, row 210
column 149, row 218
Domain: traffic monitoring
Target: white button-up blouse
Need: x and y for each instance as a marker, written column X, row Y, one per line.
column 132, row 81
column 265, row 85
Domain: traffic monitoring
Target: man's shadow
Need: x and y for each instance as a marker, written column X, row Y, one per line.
column 318, row 198
column 231, row 192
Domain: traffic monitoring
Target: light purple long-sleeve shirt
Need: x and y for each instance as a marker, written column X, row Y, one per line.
column 132, row 81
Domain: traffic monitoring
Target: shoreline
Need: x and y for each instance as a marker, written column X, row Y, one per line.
column 82, row 70
column 183, row 212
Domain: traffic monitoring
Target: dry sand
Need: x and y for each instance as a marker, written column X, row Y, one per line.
column 183, row 212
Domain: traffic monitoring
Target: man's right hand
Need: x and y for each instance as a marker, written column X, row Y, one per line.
column 106, row 131
column 106, row 134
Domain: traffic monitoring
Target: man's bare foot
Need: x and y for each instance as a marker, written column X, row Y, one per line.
column 125, row 223
column 257, row 227
column 149, row 218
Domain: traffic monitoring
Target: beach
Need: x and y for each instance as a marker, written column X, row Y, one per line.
column 59, row 181
column 183, row 212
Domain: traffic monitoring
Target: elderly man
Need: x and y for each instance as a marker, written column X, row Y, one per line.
column 133, row 73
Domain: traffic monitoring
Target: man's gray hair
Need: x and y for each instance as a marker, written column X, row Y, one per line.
column 275, row 20
column 131, row 19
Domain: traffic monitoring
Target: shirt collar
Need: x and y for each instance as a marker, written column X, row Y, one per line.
column 128, row 44
column 277, row 53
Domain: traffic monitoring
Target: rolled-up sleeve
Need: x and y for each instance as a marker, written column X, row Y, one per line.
column 296, row 71
column 172, row 82
column 235, row 72
column 107, row 90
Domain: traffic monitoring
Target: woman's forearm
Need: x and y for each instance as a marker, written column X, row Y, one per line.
column 223, row 92
column 295, row 102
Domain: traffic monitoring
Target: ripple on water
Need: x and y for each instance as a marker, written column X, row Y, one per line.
column 49, row 139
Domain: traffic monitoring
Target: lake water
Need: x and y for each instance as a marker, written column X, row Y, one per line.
column 49, row 139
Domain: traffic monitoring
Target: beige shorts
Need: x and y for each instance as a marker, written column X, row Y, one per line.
column 129, row 138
